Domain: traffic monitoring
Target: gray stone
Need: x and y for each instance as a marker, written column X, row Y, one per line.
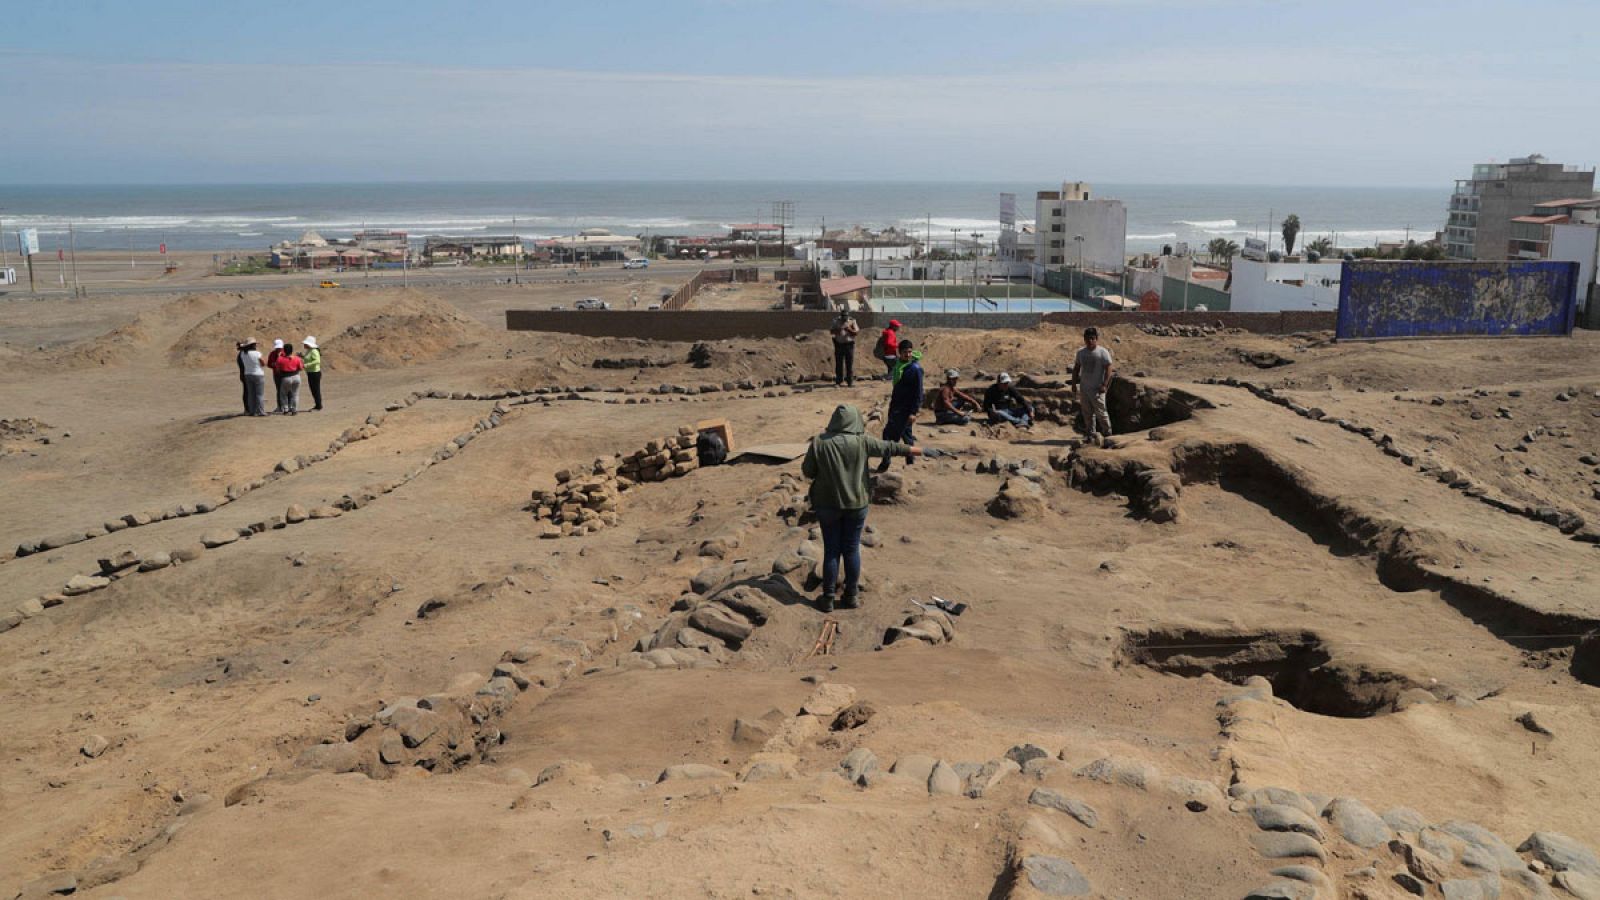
column 1410, row 883
column 1054, row 876
column 1358, row 825
column 1276, row 817
column 391, row 748
column 189, row 553
column 1482, row 838
column 340, row 757
column 1276, row 796
column 914, row 766
column 755, row 732
column 56, row 883
column 218, row 537
column 158, row 560
column 1022, row 753
column 94, row 746
column 1419, row 862
column 1561, row 853
column 83, row 584
column 10, row 620
column 1463, row 889
column 856, row 765
column 1117, row 770
column 1073, row 807
column 1307, row 874
column 1402, row 818
column 692, row 772
column 1584, row 887
column 943, row 780
column 414, row 724
column 1288, row 845
column 992, row 773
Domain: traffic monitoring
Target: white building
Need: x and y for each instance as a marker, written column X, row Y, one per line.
column 1070, row 226
column 1275, row 287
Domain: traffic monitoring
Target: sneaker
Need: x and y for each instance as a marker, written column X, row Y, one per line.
column 825, row 603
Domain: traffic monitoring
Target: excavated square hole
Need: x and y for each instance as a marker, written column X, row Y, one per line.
column 1297, row 663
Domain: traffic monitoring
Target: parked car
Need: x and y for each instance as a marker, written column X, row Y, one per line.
column 591, row 303
column 637, row 262
column 329, row 284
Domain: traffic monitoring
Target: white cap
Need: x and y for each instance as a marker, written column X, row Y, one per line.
column 310, row 342
column 952, row 373
column 277, row 344
column 1005, row 377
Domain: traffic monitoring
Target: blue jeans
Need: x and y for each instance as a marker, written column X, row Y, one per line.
column 841, row 539
column 946, row 417
column 897, row 427
column 998, row 415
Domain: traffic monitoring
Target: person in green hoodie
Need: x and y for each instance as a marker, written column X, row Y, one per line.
column 836, row 463
column 313, row 360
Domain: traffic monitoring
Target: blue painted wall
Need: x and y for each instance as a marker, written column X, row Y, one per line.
column 1414, row 299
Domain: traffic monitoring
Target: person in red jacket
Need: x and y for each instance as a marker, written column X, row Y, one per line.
column 277, row 377
column 888, row 348
column 287, row 367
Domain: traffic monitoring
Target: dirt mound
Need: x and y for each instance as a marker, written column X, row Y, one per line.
column 290, row 315
column 415, row 328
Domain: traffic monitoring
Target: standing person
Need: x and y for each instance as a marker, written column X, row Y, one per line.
column 947, row 405
column 277, row 378
column 888, row 349
column 255, row 380
column 1092, row 371
column 844, row 331
column 288, row 367
column 836, row 463
column 313, row 361
column 244, row 383
column 1004, row 403
column 905, row 401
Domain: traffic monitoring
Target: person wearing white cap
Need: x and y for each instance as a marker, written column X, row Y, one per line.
column 277, row 377
column 313, row 360
column 255, row 381
column 947, row 406
column 1004, row 404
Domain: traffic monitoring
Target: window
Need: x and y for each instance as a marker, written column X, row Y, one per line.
column 1056, row 227
column 1055, row 245
column 1055, row 260
column 1056, row 212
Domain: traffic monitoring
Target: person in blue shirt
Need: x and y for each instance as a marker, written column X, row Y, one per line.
column 906, row 400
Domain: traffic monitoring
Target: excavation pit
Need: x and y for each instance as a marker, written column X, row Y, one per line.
column 1301, row 669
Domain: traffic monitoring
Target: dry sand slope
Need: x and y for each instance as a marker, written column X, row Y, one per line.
column 1310, row 630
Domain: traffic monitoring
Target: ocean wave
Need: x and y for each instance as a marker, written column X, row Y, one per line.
column 1164, row 236
column 1210, row 224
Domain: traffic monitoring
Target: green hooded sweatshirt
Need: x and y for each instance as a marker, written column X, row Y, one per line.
column 836, row 461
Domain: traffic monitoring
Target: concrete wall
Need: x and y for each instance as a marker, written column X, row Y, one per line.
column 1174, row 295
column 1260, row 287
column 1384, row 299
column 702, row 325
column 1576, row 243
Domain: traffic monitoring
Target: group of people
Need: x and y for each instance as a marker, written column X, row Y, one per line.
column 287, row 367
column 836, row 460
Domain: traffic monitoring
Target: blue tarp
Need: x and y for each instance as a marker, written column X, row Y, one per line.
column 1415, row 299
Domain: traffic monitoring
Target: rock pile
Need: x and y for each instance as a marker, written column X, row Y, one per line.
column 1162, row 329
column 587, row 498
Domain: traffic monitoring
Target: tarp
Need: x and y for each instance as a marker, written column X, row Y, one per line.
column 1381, row 299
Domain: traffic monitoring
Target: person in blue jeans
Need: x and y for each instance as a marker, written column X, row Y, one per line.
column 836, row 463
column 1004, row 404
column 905, row 401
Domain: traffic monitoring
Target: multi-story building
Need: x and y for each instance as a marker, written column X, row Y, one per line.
column 1481, row 209
column 1072, row 229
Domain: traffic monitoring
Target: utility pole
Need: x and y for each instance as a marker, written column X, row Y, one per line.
column 129, row 235
column 977, row 247
column 4, row 259
column 72, row 239
column 782, row 215
column 516, row 254
column 1078, row 239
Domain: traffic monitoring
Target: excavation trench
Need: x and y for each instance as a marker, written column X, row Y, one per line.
column 1302, row 670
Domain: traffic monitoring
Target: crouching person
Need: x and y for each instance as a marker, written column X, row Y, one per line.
column 836, row 463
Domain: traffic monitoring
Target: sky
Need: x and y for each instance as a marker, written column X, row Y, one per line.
column 1400, row 92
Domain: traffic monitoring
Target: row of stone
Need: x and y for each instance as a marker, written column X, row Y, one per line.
column 1568, row 522
column 127, row 562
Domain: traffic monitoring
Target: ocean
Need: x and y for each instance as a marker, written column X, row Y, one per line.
column 252, row 217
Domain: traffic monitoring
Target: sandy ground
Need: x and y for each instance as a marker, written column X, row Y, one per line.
column 1233, row 598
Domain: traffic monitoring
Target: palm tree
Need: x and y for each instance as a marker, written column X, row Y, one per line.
column 1229, row 250
column 1217, row 247
column 1322, row 245
column 1291, row 230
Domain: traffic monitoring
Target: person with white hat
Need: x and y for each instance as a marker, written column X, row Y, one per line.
column 1004, row 404
column 255, row 380
column 947, row 405
column 277, row 377
column 313, row 360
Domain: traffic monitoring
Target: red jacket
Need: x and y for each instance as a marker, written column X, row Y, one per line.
column 889, row 342
column 288, row 364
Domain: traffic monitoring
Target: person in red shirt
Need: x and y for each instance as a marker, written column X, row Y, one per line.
column 287, row 367
column 888, row 348
column 277, row 377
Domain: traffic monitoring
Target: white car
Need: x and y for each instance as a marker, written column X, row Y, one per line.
column 637, row 263
column 591, row 303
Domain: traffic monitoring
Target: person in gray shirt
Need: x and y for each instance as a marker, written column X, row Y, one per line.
column 1092, row 371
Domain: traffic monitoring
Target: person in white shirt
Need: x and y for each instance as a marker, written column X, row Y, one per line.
column 1092, row 371
column 255, row 379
